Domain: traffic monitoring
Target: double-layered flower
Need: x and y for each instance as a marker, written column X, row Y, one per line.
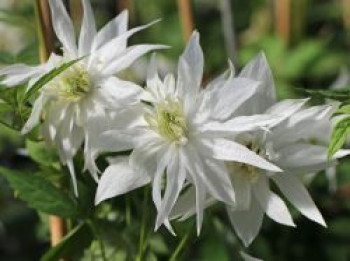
column 78, row 104
column 178, row 141
column 297, row 144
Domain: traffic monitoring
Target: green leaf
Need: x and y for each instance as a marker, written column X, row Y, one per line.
column 344, row 109
column 339, row 95
column 72, row 244
column 40, row 194
column 339, row 134
column 40, row 153
column 48, row 77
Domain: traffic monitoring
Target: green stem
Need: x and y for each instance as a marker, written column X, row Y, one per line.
column 128, row 211
column 99, row 239
column 143, row 225
column 179, row 247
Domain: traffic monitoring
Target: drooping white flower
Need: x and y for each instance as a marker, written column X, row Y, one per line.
column 77, row 105
column 179, row 141
column 297, row 144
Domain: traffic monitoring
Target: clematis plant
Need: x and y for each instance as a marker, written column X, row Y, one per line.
column 77, row 104
column 178, row 137
column 193, row 144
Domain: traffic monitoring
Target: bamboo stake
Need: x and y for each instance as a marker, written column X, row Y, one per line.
column 186, row 17
column 346, row 14
column 46, row 45
column 229, row 30
column 282, row 19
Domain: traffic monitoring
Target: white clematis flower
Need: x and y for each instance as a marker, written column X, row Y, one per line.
column 290, row 145
column 76, row 105
column 178, row 139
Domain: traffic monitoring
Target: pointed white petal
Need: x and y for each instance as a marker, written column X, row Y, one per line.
column 232, row 151
column 242, row 190
column 286, row 108
column 115, row 27
column 63, row 26
column 190, row 68
column 273, row 205
column 130, row 55
column 301, row 157
column 259, row 70
column 247, row 223
column 119, row 178
column 241, row 124
column 297, row 194
column 114, row 48
column 35, row 115
column 232, row 95
column 73, row 176
column 176, row 175
column 88, row 29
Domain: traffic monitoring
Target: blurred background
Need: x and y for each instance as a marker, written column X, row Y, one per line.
column 307, row 43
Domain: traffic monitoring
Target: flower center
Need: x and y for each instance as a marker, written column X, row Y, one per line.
column 246, row 171
column 73, row 84
column 169, row 121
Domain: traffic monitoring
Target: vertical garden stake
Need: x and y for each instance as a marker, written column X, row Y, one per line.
column 282, row 19
column 46, row 45
column 186, row 17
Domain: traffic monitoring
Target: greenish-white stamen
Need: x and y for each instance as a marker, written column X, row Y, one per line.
column 73, row 84
column 247, row 171
column 169, row 121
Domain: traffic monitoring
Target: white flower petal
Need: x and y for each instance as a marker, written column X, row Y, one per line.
column 286, row 108
column 247, row 223
column 302, row 156
column 35, row 115
column 190, row 76
column 241, row 124
column 297, row 194
column 88, row 29
column 232, row 95
column 115, row 27
column 232, row 151
column 114, row 48
column 63, row 26
column 73, row 176
column 242, row 190
column 176, row 175
column 119, row 178
column 259, row 70
column 129, row 56
column 116, row 93
column 273, row 205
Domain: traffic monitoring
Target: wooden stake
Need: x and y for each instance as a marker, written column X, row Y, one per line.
column 186, row 17
column 46, row 45
column 45, row 31
column 282, row 19
column 346, row 14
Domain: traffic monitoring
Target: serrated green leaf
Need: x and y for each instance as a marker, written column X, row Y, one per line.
column 339, row 134
column 40, row 194
column 72, row 244
column 48, row 77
